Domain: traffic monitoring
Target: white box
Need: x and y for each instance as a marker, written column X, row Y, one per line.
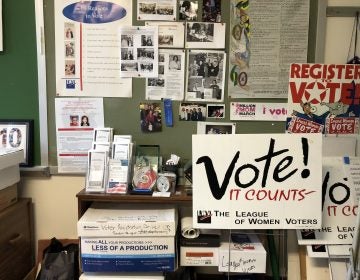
column 247, row 254
column 113, row 276
column 128, row 254
column 199, row 256
column 9, row 166
column 109, row 219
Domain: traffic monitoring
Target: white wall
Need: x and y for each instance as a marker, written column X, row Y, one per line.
column 55, row 204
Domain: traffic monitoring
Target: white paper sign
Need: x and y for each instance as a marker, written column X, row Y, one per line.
column 74, row 136
column 339, row 210
column 87, row 47
column 257, row 181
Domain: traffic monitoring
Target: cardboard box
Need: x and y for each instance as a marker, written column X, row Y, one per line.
column 199, row 256
column 8, row 196
column 247, row 254
column 112, row 276
column 110, row 219
column 128, row 254
column 9, row 166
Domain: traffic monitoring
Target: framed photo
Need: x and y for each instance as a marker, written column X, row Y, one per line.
column 19, row 134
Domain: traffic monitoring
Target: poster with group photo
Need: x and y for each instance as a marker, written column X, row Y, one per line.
column 323, row 98
column 170, row 82
column 265, row 37
column 205, row 35
column 257, row 181
column 87, row 48
column 139, row 51
column 170, row 34
column 156, row 10
column 76, row 119
column 205, row 75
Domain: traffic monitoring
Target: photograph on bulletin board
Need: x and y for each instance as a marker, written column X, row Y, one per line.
column 150, row 117
column 192, row 112
column 211, row 10
column 205, row 75
column 170, row 34
column 188, row 10
column 156, row 10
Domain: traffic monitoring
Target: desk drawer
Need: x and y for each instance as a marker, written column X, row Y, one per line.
column 16, row 256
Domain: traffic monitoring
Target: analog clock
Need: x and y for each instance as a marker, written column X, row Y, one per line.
column 166, row 182
column 163, row 183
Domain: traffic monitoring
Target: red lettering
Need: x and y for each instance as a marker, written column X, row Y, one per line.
column 332, row 91
column 346, row 96
column 295, row 70
column 349, row 210
column 315, row 71
column 297, row 94
column 252, row 193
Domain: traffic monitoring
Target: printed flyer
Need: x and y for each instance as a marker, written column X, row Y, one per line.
column 257, row 181
column 88, row 48
column 245, row 111
column 324, row 98
column 265, row 37
column 76, row 120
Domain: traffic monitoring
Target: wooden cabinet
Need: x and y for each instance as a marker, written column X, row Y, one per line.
column 16, row 240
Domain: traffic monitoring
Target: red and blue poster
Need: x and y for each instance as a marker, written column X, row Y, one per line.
column 323, row 98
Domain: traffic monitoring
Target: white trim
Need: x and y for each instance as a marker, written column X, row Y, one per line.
column 41, row 66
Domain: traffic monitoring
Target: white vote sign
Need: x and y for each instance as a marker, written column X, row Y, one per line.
column 257, row 181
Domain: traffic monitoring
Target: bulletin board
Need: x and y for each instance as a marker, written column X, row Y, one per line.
column 123, row 114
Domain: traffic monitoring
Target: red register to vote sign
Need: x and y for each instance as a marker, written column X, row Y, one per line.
column 257, row 181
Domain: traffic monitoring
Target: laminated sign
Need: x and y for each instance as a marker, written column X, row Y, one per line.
column 260, row 181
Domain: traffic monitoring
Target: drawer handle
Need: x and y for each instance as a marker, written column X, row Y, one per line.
column 16, row 239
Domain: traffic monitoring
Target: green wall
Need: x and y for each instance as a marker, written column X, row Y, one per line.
column 19, row 92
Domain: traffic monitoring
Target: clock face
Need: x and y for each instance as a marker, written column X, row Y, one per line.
column 163, row 184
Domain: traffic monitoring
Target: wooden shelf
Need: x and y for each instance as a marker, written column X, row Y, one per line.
column 85, row 199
